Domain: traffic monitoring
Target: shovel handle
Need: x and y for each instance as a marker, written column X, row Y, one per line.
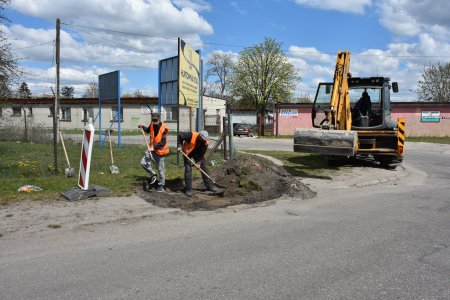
column 110, row 149
column 148, row 147
column 64, row 148
column 192, row 161
column 145, row 139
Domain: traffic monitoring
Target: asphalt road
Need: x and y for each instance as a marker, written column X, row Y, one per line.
column 371, row 241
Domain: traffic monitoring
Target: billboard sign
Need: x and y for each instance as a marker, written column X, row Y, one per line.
column 188, row 75
column 288, row 112
column 109, row 86
column 431, row 116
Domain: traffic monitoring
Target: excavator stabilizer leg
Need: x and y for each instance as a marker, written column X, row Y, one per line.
column 329, row 142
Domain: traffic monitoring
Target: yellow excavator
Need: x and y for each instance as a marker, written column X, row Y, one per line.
column 352, row 118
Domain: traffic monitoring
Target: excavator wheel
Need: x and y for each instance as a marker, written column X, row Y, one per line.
column 336, row 161
column 387, row 162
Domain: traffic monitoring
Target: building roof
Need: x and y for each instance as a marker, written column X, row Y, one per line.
column 68, row 101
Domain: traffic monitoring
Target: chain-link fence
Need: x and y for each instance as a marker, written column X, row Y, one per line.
column 25, row 123
column 31, row 120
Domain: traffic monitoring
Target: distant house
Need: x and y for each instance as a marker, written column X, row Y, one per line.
column 74, row 113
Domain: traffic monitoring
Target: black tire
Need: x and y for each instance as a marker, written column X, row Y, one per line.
column 387, row 162
column 334, row 161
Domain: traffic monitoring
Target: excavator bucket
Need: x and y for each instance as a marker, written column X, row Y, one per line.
column 329, row 142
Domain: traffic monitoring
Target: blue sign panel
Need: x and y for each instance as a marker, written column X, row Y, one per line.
column 109, row 86
column 168, row 81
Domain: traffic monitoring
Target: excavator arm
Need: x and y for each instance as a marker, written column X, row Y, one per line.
column 335, row 136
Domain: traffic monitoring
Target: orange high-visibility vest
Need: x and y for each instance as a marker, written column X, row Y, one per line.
column 154, row 140
column 188, row 147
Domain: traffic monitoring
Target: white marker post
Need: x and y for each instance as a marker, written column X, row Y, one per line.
column 86, row 154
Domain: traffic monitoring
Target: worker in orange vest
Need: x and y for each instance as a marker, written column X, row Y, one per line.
column 158, row 148
column 194, row 145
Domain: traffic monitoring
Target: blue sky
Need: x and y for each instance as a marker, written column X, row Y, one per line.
column 393, row 38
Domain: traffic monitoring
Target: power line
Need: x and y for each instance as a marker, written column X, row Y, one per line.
column 111, row 41
column 242, row 46
column 32, row 46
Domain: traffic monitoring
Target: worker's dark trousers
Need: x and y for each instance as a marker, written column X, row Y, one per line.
column 188, row 174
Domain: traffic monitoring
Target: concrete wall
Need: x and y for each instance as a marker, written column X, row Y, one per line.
column 414, row 124
column 287, row 123
column 412, row 112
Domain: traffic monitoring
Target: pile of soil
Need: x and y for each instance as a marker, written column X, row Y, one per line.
column 249, row 179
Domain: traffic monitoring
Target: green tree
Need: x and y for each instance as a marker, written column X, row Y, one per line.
column 262, row 76
column 9, row 68
column 435, row 83
column 67, row 91
column 23, row 91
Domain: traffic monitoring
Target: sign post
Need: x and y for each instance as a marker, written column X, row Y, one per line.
column 84, row 191
column 86, row 154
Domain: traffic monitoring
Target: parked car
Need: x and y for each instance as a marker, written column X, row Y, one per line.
column 242, row 129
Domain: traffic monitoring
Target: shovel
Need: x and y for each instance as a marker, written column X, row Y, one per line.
column 114, row 169
column 68, row 172
column 192, row 161
column 148, row 148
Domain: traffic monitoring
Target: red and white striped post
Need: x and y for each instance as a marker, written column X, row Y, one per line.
column 86, row 153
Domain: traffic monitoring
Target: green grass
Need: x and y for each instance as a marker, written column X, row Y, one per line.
column 429, row 139
column 302, row 164
column 32, row 164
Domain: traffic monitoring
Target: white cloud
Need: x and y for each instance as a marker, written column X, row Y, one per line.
column 156, row 25
column 237, row 8
column 395, row 18
column 402, row 62
column 410, row 18
column 151, row 17
column 352, row 6
column 198, row 5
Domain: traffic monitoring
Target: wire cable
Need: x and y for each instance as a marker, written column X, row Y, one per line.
column 36, row 45
column 112, row 41
column 243, row 46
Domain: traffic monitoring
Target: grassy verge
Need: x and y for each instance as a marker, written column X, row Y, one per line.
column 301, row 164
column 429, row 139
column 32, row 164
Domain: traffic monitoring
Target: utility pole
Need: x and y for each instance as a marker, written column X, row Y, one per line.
column 56, row 108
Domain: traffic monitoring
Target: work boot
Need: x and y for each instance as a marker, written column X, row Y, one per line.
column 187, row 192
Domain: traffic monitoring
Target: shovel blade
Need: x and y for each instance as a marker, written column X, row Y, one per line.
column 328, row 142
column 69, row 172
column 220, row 185
column 114, row 169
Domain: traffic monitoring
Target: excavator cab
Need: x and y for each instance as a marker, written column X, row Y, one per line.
column 366, row 112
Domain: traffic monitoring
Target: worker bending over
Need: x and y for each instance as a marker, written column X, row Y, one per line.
column 194, row 145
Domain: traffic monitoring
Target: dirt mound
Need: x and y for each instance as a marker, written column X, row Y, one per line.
column 249, row 179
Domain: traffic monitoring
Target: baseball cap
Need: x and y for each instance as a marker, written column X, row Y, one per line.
column 204, row 135
column 155, row 116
